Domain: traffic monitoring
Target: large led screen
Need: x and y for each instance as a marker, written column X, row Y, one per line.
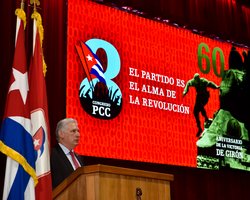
column 148, row 91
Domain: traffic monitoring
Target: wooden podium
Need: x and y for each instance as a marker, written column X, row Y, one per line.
column 102, row 182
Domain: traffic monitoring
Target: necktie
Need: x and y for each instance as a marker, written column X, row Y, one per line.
column 76, row 164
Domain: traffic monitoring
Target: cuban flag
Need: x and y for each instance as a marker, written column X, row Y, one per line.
column 91, row 63
column 16, row 140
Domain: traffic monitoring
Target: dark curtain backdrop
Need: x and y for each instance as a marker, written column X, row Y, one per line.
column 223, row 18
column 227, row 19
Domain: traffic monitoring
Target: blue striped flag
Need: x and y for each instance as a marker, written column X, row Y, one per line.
column 15, row 135
column 91, row 63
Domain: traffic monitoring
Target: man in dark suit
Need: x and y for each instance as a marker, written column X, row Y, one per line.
column 63, row 160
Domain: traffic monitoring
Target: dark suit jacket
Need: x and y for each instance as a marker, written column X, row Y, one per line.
column 61, row 167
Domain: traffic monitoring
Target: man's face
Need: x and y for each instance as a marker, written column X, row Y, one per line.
column 70, row 135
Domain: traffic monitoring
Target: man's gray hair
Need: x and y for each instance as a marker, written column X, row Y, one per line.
column 62, row 124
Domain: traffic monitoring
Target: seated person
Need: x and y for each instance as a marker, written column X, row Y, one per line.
column 63, row 160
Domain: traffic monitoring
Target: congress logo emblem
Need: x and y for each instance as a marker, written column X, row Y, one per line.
column 99, row 95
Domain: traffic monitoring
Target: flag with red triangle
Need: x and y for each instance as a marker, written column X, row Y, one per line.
column 16, row 140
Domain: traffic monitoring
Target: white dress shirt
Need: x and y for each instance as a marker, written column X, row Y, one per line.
column 67, row 153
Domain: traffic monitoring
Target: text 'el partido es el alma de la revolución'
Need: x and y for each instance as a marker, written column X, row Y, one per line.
column 155, row 90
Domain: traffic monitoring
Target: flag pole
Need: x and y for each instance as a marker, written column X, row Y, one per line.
column 21, row 14
column 35, row 2
column 39, row 25
column 22, row 4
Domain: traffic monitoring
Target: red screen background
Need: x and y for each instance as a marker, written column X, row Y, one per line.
column 139, row 133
